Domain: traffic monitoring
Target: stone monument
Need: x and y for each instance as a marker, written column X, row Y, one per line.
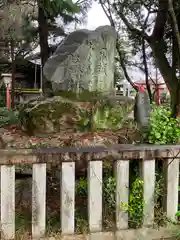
column 82, row 65
column 83, row 61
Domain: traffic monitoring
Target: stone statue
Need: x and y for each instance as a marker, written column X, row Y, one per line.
column 83, row 61
column 142, row 109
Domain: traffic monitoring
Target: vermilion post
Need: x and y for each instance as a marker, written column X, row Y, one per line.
column 158, row 101
column 8, row 98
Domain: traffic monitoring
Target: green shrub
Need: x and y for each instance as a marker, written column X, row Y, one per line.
column 7, row 117
column 82, row 187
column 164, row 129
column 135, row 205
column 109, row 190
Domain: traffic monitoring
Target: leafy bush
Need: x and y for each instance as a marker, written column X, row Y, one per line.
column 8, row 117
column 82, row 187
column 135, row 205
column 164, row 129
column 109, row 190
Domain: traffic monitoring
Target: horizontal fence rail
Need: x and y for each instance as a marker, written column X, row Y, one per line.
column 68, row 154
column 122, row 154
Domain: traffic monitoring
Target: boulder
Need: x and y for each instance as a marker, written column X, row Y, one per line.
column 83, row 61
column 59, row 114
column 46, row 116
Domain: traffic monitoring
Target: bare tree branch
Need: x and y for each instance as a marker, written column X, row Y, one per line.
column 124, row 68
column 109, row 16
column 130, row 27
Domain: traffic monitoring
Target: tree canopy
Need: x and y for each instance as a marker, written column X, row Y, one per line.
column 153, row 25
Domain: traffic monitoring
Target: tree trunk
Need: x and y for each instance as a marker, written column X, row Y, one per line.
column 146, row 70
column 175, row 97
column 43, row 33
column 175, row 102
column 169, row 76
column 175, row 24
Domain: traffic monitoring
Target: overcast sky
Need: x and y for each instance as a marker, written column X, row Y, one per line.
column 96, row 17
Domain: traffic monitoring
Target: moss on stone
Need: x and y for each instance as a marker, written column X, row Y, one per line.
column 75, row 113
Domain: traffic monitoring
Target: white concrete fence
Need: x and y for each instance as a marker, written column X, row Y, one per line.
column 125, row 153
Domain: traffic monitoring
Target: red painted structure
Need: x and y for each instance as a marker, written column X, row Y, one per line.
column 8, row 98
column 8, row 91
column 157, row 87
